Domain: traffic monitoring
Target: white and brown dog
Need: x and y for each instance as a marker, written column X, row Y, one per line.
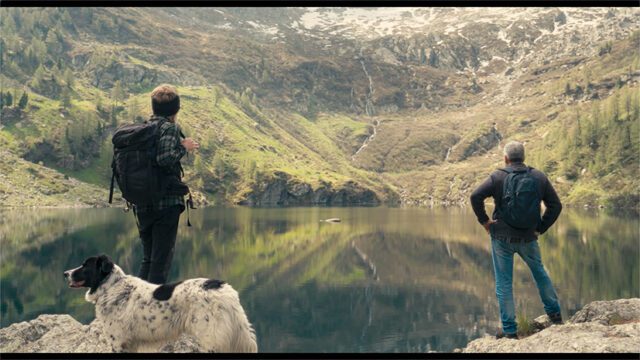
column 136, row 313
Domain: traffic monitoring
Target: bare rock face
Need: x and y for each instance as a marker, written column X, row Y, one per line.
column 63, row 334
column 601, row 326
column 586, row 337
column 609, row 312
column 52, row 333
column 281, row 189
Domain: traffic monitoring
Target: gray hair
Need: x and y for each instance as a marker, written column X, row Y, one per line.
column 514, row 151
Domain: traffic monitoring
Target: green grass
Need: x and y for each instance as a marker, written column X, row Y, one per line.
column 525, row 325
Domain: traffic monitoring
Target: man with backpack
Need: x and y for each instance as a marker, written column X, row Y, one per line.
column 148, row 171
column 514, row 228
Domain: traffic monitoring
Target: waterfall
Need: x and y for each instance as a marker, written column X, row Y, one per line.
column 368, row 109
column 367, row 140
column 446, row 157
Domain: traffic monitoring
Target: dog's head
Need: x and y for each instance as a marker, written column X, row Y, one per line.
column 91, row 273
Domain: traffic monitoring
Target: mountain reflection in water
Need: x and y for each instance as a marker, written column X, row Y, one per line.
column 382, row 280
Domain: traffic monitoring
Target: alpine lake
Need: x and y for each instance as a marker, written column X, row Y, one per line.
column 380, row 280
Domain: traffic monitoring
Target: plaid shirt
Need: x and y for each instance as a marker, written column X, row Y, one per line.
column 169, row 153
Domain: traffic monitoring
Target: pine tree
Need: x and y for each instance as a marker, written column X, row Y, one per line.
column 8, row 99
column 8, row 25
column 219, row 165
column 593, row 131
column 216, row 95
column 635, row 107
column 65, row 98
column 251, row 170
column 265, row 76
column 117, row 95
column 587, row 78
column 53, row 43
column 39, row 52
column 614, row 108
column 134, row 109
column 68, row 77
column 433, row 58
column 312, row 107
column 99, row 103
column 38, row 76
column 56, row 73
column 117, row 92
column 24, row 99
column 66, row 21
column 576, row 139
column 626, row 142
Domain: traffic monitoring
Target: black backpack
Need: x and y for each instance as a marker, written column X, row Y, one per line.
column 134, row 165
column 520, row 206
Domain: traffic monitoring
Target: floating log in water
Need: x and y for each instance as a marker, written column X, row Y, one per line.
column 332, row 220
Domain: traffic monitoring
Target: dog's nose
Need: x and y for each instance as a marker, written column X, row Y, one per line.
column 66, row 274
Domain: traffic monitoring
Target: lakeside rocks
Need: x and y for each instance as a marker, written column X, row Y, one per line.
column 609, row 312
column 63, row 334
column 601, row 326
column 52, row 333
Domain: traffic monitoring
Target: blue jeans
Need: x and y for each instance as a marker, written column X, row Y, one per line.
column 502, row 254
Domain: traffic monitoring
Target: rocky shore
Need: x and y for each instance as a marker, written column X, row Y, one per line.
column 601, row 326
column 63, row 334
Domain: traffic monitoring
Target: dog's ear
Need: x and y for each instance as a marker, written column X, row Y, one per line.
column 105, row 264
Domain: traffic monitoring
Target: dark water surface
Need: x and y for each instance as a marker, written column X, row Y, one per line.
column 382, row 280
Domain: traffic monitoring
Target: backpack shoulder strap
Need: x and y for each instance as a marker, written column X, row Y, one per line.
column 113, row 177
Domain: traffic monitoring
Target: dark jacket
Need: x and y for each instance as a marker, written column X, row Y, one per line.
column 493, row 187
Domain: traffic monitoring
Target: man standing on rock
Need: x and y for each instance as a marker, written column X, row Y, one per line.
column 514, row 228
column 158, row 225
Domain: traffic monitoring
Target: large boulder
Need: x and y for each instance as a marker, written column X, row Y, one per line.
column 578, row 338
column 52, row 333
column 63, row 334
column 609, row 312
column 601, row 326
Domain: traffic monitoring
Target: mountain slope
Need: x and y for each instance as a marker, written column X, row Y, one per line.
column 328, row 105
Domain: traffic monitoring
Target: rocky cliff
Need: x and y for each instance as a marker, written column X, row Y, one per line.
column 282, row 190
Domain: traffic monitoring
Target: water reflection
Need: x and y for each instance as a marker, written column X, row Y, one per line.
column 383, row 280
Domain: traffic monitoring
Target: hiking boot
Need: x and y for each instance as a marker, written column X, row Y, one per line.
column 556, row 319
column 501, row 335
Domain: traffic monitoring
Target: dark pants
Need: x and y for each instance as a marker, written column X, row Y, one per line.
column 158, row 230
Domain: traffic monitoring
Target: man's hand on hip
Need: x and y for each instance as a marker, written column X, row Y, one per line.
column 487, row 225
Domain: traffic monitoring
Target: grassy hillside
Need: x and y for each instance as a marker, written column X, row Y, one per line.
column 587, row 142
column 284, row 124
